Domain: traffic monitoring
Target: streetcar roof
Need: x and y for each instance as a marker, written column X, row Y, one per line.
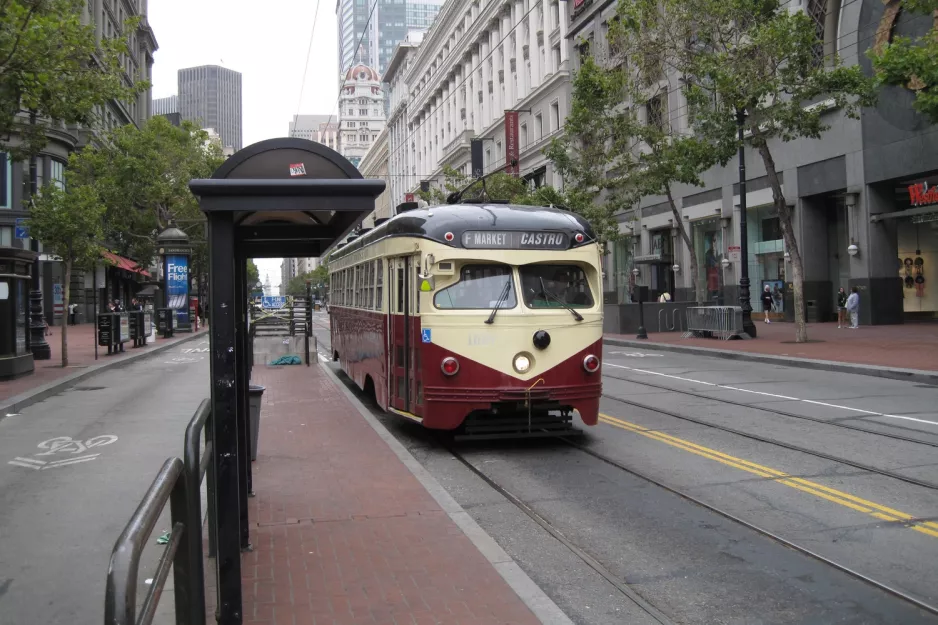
column 464, row 221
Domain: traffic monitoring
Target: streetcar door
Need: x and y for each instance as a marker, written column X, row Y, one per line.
column 401, row 323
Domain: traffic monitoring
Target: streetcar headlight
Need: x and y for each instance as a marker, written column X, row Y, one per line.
column 591, row 364
column 522, row 363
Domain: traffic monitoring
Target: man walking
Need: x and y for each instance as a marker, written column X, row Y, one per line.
column 853, row 307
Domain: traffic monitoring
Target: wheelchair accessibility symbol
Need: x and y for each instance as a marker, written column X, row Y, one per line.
column 425, row 335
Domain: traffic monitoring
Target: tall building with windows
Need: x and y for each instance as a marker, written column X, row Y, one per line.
column 210, row 96
column 361, row 112
column 389, row 23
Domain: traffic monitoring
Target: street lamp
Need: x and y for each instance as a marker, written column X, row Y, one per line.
column 748, row 326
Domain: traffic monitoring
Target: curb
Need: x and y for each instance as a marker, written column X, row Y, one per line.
column 530, row 593
column 891, row 373
column 36, row 395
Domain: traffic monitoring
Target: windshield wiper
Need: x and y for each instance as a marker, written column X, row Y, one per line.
column 544, row 290
column 505, row 290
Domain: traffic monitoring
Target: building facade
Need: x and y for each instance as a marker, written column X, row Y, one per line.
column 318, row 128
column 106, row 18
column 375, row 165
column 361, row 112
column 481, row 63
column 865, row 214
column 210, row 96
column 400, row 160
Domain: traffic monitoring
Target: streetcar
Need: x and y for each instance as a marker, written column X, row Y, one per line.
column 481, row 315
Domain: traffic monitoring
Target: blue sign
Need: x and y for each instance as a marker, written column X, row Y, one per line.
column 22, row 230
column 425, row 335
column 274, row 301
column 177, row 283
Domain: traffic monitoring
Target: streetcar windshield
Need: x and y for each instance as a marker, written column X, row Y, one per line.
column 479, row 288
column 555, row 286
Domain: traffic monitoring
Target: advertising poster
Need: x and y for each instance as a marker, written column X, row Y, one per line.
column 124, row 327
column 177, row 285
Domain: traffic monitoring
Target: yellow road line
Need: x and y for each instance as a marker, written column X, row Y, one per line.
column 818, row 490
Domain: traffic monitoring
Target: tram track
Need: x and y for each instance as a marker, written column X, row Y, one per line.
column 622, row 586
column 783, row 413
column 771, row 441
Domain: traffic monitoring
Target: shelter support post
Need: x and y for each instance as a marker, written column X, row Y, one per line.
column 244, row 421
column 227, row 400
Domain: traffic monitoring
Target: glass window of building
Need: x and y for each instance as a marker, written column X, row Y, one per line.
column 766, row 256
column 622, row 278
column 707, row 237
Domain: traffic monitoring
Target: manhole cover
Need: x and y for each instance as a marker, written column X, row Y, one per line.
column 89, row 388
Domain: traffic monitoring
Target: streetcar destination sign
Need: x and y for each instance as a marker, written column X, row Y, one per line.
column 515, row 240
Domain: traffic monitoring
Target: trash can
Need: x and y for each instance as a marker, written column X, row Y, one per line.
column 255, row 393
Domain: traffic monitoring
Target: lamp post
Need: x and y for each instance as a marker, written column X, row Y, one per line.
column 748, row 326
column 37, row 325
column 642, row 334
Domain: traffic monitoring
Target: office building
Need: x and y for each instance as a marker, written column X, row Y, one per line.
column 322, row 129
column 361, row 112
column 210, row 96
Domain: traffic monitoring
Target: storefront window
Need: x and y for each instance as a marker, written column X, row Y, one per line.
column 918, row 257
column 766, row 256
column 707, row 235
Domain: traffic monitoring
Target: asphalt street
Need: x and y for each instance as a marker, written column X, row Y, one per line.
column 73, row 469
column 842, row 466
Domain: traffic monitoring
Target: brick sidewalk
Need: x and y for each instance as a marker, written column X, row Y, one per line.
column 80, row 356
column 344, row 533
column 909, row 346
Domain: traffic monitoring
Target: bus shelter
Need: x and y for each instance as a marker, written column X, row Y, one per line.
column 278, row 198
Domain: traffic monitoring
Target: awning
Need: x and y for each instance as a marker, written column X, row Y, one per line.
column 909, row 212
column 124, row 263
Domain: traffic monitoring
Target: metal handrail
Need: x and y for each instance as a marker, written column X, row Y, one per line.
column 196, row 468
column 120, row 599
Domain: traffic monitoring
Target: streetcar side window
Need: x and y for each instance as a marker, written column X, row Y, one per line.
column 479, row 288
column 379, row 284
column 545, row 286
column 400, row 287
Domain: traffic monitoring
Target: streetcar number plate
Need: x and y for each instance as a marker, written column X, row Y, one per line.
column 513, row 240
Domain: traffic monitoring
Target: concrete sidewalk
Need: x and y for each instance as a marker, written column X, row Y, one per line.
column 347, row 527
column 905, row 352
column 50, row 378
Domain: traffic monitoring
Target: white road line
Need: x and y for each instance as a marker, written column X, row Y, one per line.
column 67, row 462
column 24, row 464
column 33, row 460
column 786, row 397
column 323, row 358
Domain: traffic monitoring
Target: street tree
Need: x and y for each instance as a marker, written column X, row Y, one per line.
column 749, row 69
column 253, row 275
column 142, row 176
column 646, row 153
column 70, row 221
column 54, row 70
column 909, row 61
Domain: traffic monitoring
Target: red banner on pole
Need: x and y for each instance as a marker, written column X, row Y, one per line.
column 512, row 153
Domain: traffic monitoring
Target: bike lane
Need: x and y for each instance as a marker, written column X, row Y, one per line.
column 72, row 470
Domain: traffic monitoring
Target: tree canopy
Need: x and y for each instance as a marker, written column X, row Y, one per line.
column 54, row 67
column 142, row 176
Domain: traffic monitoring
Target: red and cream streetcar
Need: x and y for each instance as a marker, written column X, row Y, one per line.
column 483, row 315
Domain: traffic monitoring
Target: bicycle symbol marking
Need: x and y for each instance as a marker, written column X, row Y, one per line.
column 66, row 444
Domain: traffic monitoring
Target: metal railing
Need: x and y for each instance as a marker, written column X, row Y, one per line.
column 723, row 322
column 120, row 599
column 178, row 482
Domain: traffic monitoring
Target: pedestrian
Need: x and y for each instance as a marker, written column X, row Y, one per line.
column 665, row 298
column 72, row 312
column 853, row 307
column 767, row 301
column 841, row 308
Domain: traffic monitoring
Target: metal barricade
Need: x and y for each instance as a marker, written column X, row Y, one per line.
column 197, row 465
column 120, row 599
column 723, row 322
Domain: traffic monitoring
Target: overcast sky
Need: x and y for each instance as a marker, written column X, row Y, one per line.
column 267, row 42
